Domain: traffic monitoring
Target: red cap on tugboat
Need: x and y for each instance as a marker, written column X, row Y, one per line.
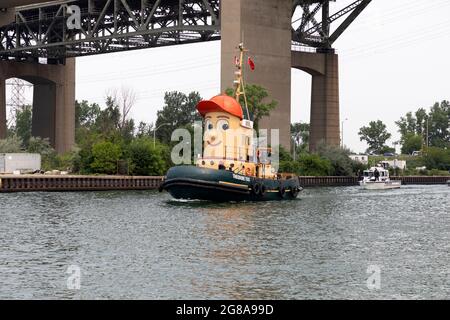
column 221, row 103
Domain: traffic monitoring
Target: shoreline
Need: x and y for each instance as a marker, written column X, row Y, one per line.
column 69, row 183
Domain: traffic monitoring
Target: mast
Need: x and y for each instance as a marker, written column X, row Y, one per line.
column 239, row 82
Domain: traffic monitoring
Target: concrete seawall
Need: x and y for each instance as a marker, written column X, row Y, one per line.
column 29, row 183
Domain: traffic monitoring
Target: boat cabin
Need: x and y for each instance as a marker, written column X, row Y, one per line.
column 377, row 173
column 229, row 142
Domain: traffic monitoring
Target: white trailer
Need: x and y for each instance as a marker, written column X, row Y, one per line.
column 19, row 162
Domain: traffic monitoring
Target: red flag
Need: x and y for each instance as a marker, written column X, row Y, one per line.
column 251, row 63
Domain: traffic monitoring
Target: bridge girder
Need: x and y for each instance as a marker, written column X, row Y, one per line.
column 316, row 34
column 108, row 26
column 117, row 25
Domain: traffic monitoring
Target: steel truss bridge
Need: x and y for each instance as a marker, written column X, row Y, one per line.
column 41, row 31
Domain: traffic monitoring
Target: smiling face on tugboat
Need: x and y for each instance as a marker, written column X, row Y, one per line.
column 223, row 115
column 220, row 127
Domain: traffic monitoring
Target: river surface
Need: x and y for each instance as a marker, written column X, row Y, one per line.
column 332, row 243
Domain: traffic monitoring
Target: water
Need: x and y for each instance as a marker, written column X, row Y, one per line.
column 144, row 245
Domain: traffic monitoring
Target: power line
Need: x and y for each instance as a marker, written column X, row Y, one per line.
column 151, row 69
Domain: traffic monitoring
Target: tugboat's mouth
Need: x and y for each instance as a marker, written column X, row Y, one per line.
column 213, row 144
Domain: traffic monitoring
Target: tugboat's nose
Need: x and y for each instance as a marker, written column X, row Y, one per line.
column 213, row 138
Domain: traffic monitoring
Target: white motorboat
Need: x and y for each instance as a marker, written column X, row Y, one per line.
column 377, row 178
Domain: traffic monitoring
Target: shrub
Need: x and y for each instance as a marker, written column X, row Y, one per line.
column 339, row 158
column 146, row 158
column 436, row 158
column 11, row 145
column 105, row 156
column 314, row 165
column 44, row 148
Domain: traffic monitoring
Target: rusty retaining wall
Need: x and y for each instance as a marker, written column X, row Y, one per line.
column 25, row 183
column 353, row 181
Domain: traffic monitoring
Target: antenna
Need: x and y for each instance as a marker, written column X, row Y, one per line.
column 239, row 82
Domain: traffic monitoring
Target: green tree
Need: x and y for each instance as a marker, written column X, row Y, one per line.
column 258, row 106
column 69, row 161
column 437, row 158
column 439, row 125
column 144, row 130
column 127, row 130
column 375, row 135
column 305, row 165
column 421, row 117
column 44, row 148
column 407, row 125
column 435, row 124
column 146, row 159
column 179, row 111
column 11, row 145
column 314, row 165
column 86, row 114
column 108, row 120
column 23, row 123
column 339, row 158
column 287, row 164
column 105, row 156
column 412, row 142
column 300, row 136
column 83, row 163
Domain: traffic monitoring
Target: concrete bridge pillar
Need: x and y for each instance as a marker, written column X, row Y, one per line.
column 265, row 26
column 3, row 129
column 6, row 16
column 323, row 67
column 53, row 100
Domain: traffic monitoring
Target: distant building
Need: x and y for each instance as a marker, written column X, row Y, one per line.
column 362, row 158
column 19, row 162
column 394, row 164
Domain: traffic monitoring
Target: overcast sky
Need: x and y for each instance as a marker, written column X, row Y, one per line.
column 395, row 58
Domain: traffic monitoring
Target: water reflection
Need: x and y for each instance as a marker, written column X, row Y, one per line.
column 145, row 245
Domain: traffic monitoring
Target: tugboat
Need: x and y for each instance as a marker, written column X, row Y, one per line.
column 377, row 178
column 233, row 167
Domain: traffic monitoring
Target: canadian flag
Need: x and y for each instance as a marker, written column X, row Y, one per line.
column 251, row 63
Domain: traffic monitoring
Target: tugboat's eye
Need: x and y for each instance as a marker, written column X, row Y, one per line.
column 209, row 125
column 223, row 125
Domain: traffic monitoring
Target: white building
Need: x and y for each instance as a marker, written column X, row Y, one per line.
column 19, row 162
column 394, row 164
column 362, row 158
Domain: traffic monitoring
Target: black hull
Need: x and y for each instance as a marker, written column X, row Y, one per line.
column 188, row 182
